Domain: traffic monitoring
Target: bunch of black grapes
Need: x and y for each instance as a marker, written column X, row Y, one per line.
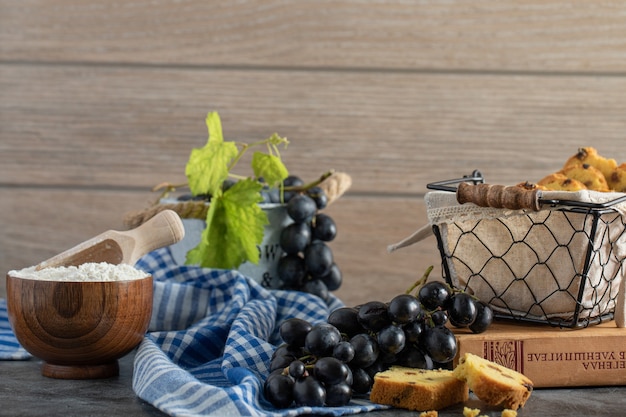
column 326, row 364
column 307, row 263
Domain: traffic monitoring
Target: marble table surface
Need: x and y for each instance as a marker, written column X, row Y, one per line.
column 24, row 392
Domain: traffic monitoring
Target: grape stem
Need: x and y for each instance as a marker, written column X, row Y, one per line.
column 420, row 281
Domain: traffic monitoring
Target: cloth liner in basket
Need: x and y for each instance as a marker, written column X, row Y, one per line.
column 531, row 264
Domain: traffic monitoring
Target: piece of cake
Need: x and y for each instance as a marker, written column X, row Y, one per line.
column 493, row 383
column 418, row 389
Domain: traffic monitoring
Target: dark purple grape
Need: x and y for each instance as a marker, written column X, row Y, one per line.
column 346, row 321
column 322, row 339
column 288, row 350
column 294, row 331
column 291, row 271
column 319, row 196
column 344, row 351
column 279, row 390
column 291, row 181
column 361, row 381
column 373, row 316
column 297, row 369
column 365, row 350
column 280, row 362
column 330, row 370
column 274, row 195
column 333, row 278
column 434, row 295
column 439, row 317
column 391, row 339
column 376, row 367
column 301, row 208
column 318, row 259
column 484, row 317
column 462, row 310
column 404, row 308
column 295, row 237
column 266, row 194
column 309, row 392
column 316, row 287
column 338, row 395
column 413, row 330
column 323, row 228
column 439, row 343
column 412, row 357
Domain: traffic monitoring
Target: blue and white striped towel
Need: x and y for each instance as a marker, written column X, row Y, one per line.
column 10, row 349
column 211, row 338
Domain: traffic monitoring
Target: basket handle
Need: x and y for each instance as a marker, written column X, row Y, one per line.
column 498, row 196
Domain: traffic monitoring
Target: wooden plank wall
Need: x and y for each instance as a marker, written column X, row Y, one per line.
column 101, row 100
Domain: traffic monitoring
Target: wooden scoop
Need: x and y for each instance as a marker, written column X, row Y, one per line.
column 126, row 247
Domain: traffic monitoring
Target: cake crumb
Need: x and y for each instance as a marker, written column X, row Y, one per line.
column 470, row 412
column 431, row 413
column 509, row 413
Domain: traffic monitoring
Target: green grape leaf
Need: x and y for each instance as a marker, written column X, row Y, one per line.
column 207, row 167
column 235, row 226
column 270, row 167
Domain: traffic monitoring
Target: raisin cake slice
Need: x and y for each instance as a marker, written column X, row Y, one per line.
column 418, row 389
column 493, row 383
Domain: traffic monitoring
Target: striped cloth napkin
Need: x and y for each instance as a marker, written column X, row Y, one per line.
column 10, row 349
column 211, row 338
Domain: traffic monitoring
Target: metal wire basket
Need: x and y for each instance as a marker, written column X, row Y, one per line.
column 553, row 261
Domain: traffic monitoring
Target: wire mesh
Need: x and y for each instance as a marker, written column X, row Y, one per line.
column 560, row 267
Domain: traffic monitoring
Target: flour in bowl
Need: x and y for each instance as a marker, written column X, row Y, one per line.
column 88, row 272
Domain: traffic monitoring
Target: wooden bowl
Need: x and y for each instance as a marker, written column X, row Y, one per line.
column 79, row 329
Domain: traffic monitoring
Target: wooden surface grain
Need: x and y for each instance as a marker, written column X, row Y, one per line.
column 100, row 101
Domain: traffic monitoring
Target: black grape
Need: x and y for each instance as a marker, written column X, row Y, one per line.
column 295, row 238
column 361, row 381
column 318, row 259
column 279, row 390
column 322, row 339
column 439, row 343
column 346, row 321
column 373, row 315
column 338, row 395
column 309, row 392
column 484, row 317
column 391, row 339
column 316, row 287
column 330, row 370
column 404, row 308
column 439, row 317
column 462, row 310
column 434, row 295
column 319, row 196
column 365, row 350
column 291, row 271
column 294, row 331
column 301, row 208
column 291, row 181
column 344, row 351
column 333, row 278
column 297, row 369
column 324, row 228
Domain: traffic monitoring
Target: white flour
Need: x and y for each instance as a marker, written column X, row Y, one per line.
column 86, row 272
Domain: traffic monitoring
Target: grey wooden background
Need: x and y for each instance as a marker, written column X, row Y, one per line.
column 101, row 100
